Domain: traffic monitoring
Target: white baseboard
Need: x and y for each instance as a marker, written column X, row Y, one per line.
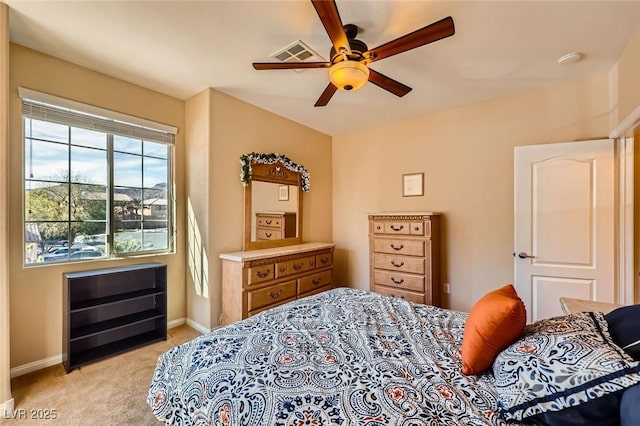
column 6, row 409
column 176, row 323
column 23, row 369
column 30, row 367
column 199, row 327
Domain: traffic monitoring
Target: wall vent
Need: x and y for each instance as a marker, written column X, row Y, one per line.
column 297, row 52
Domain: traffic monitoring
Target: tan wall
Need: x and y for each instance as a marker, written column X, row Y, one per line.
column 625, row 100
column 5, row 387
column 239, row 128
column 197, row 137
column 625, row 82
column 36, row 292
column 467, row 157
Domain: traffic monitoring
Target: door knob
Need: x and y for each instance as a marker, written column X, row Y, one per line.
column 523, row 255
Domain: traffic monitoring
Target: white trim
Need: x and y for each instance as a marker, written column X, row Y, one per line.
column 176, row 323
column 6, row 409
column 94, row 110
column 197, row 326
column 626, row 276
column 628, row 123
column 30, row 367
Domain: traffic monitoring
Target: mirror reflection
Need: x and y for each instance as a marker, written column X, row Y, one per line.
column 274, row 211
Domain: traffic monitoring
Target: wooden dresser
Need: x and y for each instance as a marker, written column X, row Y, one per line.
column 404, row 256
column 255, row 280
column 275, row 225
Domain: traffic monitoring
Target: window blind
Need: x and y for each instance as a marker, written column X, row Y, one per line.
column 42, row 106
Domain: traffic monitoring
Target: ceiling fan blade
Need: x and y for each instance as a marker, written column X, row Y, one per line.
column 388, row 84
column 330, row 18
column 324, row 99
column 434, row 32
column 289, row 65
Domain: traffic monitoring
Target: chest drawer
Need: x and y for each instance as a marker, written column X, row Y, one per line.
column 399, row 280
column 314, row 281
column 399, row 246
column 399, row 263
column 270, row 295
column 400, row 228
column 268, row 234
column 269, row 222
column 406, row 295
column 258, row 274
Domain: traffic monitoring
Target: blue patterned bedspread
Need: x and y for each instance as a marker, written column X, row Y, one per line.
column 343, row 357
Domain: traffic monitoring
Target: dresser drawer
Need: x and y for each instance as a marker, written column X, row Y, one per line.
column 314, row 281
column 267, row 296
column 281, row 269
column 269, row 222
column 399, row 246
column 268, row 234
column 406, row 295
column 323, row 260
column 311, row 262
column 399, row 280
column 296, row 266
column 258, row 274
column 399, row 263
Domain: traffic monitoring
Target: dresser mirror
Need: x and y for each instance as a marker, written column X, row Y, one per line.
column 272, row 200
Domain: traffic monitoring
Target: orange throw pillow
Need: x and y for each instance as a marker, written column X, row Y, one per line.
column 495, row 321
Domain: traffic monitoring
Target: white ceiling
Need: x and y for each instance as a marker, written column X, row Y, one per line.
column 182, row 47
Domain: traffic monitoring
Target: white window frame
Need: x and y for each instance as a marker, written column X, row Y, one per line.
column 50, row 108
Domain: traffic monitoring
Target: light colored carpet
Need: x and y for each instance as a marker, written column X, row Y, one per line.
column 108, row 392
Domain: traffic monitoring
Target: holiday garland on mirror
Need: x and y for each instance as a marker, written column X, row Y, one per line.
column 257, row 157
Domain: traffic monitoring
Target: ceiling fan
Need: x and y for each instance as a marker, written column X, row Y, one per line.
column 350, row 58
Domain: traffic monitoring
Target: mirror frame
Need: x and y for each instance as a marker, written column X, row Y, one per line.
column 271, row 168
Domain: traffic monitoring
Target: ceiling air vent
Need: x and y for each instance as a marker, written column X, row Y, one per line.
column 297, row 52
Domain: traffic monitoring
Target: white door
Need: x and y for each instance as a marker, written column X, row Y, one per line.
column 564, row 224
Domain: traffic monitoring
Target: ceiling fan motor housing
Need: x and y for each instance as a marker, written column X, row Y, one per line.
column 358, row 47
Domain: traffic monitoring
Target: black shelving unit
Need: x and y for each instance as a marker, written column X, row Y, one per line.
column 109, row 311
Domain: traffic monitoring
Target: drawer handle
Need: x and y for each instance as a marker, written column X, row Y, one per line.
column 283, row 270
column 400, row 281
column 397, row 248
column 324, row 260
column 275, row 295
column 268, row 222
column 297, row 266
column 378, row 227
column 267, row 234
column 316, row 281
column 397, row 265
column 393, row 295
column 263, row 274
column 417, row 228
column 400, row 228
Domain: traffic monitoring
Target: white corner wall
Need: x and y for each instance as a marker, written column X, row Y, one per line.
column 6, row 402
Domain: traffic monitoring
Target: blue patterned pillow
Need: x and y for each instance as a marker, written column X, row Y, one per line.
column 560, row 363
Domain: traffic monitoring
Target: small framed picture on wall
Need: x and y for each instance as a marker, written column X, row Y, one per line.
column 413, row 185
column 283, row 193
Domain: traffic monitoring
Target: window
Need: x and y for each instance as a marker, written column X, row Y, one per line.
column 94, row 187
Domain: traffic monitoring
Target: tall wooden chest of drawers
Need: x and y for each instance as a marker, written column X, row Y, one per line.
column 404, row 256
column 255, row 280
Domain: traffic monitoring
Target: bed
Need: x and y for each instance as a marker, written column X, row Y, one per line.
column 342, row 357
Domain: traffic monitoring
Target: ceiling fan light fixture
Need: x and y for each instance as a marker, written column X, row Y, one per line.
column 348, row 75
